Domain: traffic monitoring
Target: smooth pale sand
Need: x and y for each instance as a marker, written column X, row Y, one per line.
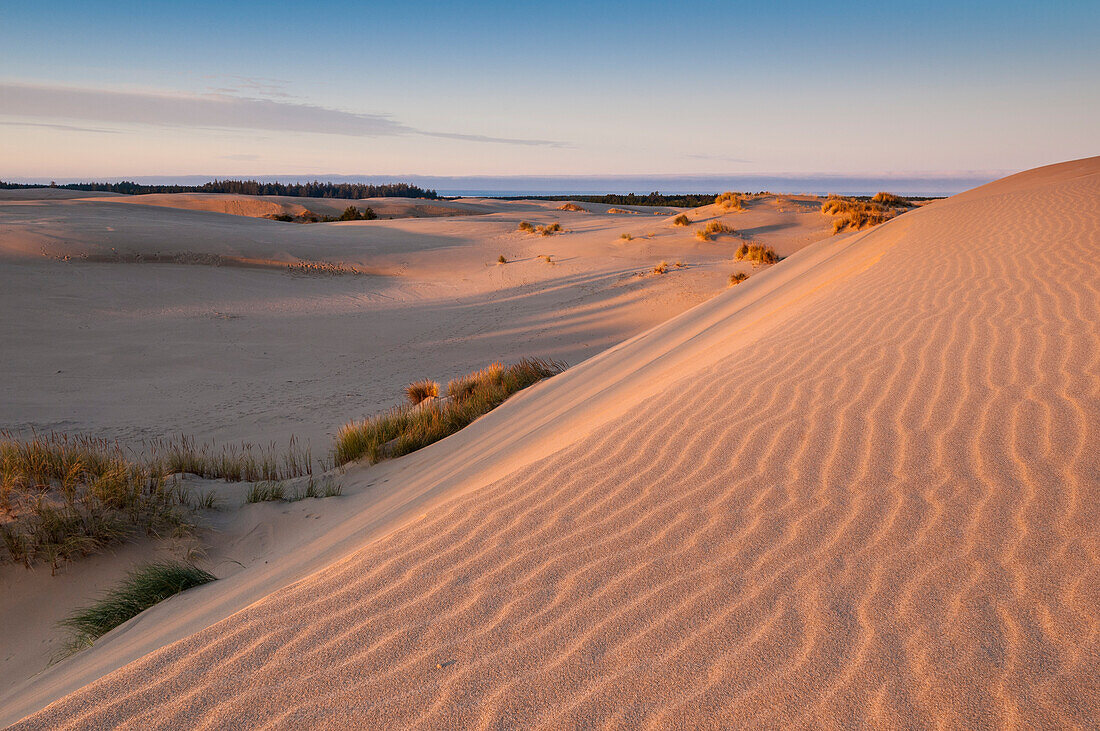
column 111, row 344
column 859, row 489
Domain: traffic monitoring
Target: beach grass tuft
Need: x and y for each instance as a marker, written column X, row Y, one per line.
column 143, row 587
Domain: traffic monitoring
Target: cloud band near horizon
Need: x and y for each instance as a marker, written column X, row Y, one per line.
column 212, row 111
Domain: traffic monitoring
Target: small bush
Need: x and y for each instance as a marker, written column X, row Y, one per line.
column 502, row 259
column 143, row 587
column 660, row 268
column 526, row 226
column 679, row 264
column 572, row 207
column 757, row 253
column 549, row 229
column 626, row 237
column 681, row 220
column 737, row 278
column 284, row 217
column 889, row 199
column 851, row 214
column 419, row 390
column 730, row 201
column 351, row 213
column 405, row 429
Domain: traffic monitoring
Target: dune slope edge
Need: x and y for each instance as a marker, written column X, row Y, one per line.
column 860, row 488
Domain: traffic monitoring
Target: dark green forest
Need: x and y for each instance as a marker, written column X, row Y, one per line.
column 316, row 189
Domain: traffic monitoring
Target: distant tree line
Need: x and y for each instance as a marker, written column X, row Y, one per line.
column 687, row 200
column 316, row 189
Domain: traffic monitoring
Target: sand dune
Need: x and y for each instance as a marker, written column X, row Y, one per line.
column 859, row 489
column 220, row 340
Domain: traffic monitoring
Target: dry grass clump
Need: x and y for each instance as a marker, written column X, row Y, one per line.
column 756, row 253
column 660, row 268
column 889, row 199
column 418, row 391
column 527, row 226
column 730, row 201
column 712, row 229
column 244, row 463
column 143, row 587
column 572, row 207
column 549, row 229
column 626, row 237
column 405, row 429
column 502, row 259
column 737, row 278
column 851, row 214
column 681, row 220
column 62, row 497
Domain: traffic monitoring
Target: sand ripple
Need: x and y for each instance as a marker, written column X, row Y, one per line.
column 881, row 513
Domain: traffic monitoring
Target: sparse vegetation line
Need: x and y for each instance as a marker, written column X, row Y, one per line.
column 405, row 429
column 143, row 587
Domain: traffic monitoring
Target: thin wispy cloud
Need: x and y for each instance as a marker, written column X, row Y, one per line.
column 218, row 110
column 65, row 127
column 716, row 158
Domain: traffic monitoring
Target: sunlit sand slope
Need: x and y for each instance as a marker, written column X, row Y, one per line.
column 860, row 489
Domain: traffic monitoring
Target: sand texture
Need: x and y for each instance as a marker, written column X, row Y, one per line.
column 860, row 489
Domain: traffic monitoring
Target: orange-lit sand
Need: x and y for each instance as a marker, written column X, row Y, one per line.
column 860, row 489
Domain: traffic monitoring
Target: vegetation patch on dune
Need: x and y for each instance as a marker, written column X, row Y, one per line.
column 143, row 587
column 756, row 253
column 730, row 201
column 405, row 429
column 737, row 278
column 681, row 220
column 572, row 207
column 712, row 229
column 850, row 214
column 63, row 496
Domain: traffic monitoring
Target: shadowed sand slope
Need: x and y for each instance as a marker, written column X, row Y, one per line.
column 860, row 488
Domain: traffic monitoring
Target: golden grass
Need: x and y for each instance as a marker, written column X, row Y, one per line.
column 756, row 253
column 850, row 214
column 660, row 268
column 549, row 229
column 730, row 201
column 889, row 199
column 681, row 220
column 572, row 207
column 527, row 226
column 712, row 229
column 626, row 237
column 63, row 496
column 737, row 278
column 420, row 390
column 405, row 429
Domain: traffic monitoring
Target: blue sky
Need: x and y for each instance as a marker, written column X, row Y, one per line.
column 159, row 88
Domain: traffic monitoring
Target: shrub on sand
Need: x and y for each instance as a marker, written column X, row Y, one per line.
column 572, row 207
column 526, row 226
column 681, row 220
column 549, row 229
column 405, row 429
column 626, row 237
column 757, row 253
column 889, row 199
column 502, row 259
column 661, row 268
column 419, row 390
column 730, row 201
column 856, row 215
column 737, row 278
column 143, row 587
